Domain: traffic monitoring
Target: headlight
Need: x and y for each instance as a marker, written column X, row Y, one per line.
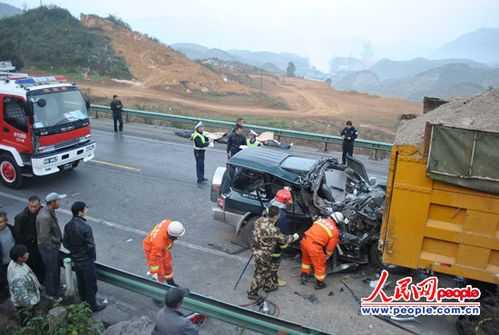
column 46, row 148
column 50, row 160
column 85, row 138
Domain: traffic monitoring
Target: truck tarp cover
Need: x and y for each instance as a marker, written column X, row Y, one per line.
column 467, row 158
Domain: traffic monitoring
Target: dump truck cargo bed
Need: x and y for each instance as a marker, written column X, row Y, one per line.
column 434, row 225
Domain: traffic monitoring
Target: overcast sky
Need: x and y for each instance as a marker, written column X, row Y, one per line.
column 318, row 29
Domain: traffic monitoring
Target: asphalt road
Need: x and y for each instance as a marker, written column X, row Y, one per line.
column 148, row 174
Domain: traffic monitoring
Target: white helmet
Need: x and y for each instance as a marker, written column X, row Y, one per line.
column 338, row 217
column 176, row 229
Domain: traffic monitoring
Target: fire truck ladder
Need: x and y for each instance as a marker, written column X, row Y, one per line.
column 232, row 314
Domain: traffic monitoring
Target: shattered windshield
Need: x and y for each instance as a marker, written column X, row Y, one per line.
column 53, row 107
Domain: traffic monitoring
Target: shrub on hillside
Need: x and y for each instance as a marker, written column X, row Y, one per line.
column 50, row 37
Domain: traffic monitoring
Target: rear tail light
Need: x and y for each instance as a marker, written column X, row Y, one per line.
column 221, row 202
column 215, row 188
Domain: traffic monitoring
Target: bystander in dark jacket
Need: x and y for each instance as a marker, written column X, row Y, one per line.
column 236, row 139
column 49, row 237
column 7, row 242
column 25, row 234
column 79, row 240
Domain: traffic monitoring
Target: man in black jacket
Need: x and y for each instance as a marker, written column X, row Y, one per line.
column 79, row 240
column 349, row 134
column 236, row 139
column 7, row 242
column 25, row 233
column 117, row 107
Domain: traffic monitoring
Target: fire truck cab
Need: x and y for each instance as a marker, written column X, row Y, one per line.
column 44, row 127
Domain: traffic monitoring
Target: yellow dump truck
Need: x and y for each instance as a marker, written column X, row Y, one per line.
column 442, row 198
column 430, row 224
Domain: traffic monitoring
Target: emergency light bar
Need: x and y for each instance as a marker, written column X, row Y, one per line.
column 40, row 80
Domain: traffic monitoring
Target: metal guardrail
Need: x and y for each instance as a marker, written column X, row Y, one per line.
column 242, row 317
column 323, row 138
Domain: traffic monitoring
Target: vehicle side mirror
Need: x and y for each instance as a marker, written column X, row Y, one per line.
column 41, row 103
column 372, row 181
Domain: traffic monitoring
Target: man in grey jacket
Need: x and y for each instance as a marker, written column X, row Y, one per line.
column 169, row 320
column 49, row 238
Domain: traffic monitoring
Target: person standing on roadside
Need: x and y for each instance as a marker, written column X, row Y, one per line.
column 7, row 242
column 117, row 108
column 49, row 242
column 349, row 134
column 79, row 240
column 23, row 285
column 25, row 234
column 201, row 142
column 236, row 139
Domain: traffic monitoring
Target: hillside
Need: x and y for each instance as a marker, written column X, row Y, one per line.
column 480, row 45
column 7, row 10
column 50, row 38
column 156, row 65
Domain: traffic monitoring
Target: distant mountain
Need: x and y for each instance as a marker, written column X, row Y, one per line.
column 364, row 81
column 481, row 45
column 262, row 59
column 444, row 81
column 198, row 52
column 390, row 69
column 7, row 10
column 340, row 64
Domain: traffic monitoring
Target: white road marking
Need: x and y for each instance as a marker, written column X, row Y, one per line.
column 138, row 231
column 115, row 165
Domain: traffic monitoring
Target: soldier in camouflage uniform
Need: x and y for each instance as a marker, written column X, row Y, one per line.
column 23, row 284
column 266, row 236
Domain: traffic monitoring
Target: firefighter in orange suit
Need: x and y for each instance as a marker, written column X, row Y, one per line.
column 317, row 246
column 157, row 249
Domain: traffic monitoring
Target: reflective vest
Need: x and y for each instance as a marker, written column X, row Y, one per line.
column 193, row 138
column 252, row 145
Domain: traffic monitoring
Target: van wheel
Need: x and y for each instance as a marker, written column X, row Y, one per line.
column 246, row 232
column 376, row 260
column 375, row 256
column 10, row 172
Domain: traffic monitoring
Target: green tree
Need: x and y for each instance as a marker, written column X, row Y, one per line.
column 290, row 71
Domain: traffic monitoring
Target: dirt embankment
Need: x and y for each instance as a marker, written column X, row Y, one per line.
column 165, row 78
column 156, row 65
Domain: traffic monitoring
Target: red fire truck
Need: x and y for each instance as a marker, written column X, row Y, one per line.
column 44, row 127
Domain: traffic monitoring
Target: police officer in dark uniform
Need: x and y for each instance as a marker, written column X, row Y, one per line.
column 117, row 107
column 349, row 134
column 201, row 142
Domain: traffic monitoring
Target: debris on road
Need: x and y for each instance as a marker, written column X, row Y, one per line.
column 309, row 297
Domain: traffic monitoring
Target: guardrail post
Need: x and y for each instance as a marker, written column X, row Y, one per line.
column 68, row 276
column 126, row 118
column 325, row 146
column 96, row 113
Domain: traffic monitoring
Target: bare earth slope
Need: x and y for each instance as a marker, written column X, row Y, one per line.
column 157, row 65
column 166, row 79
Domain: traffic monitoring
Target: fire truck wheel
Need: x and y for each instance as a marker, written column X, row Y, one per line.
column 10, row 172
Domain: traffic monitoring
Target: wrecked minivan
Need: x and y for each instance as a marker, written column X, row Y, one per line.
column 252, row 177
